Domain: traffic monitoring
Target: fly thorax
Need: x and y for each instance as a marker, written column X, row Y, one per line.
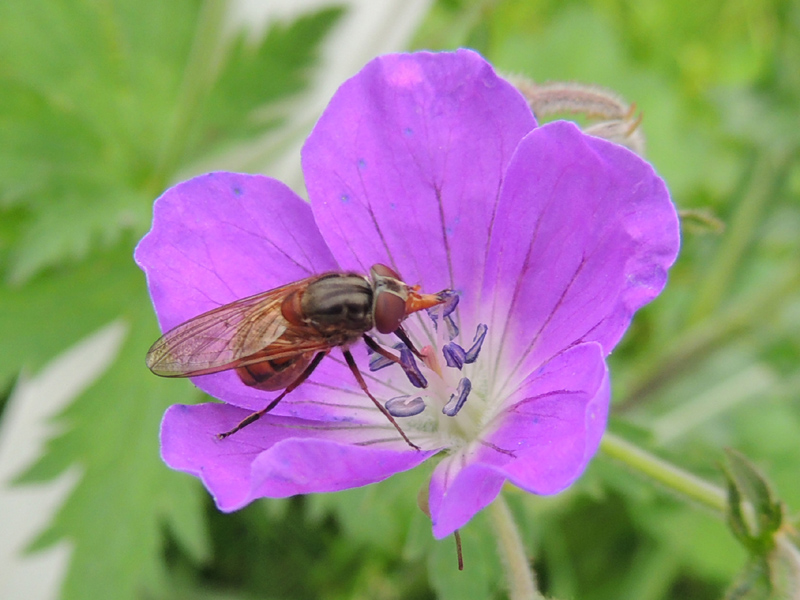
column 339, row 304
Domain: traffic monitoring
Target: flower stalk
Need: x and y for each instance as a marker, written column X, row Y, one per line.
column 674, row 478
column 519, row 575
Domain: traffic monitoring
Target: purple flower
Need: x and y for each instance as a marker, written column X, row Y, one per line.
column 432, row 164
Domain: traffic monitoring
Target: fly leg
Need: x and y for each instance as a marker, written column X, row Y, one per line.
column 401, row 333
column 378, row 349
column 413, row 374
column 360, row 379
column 257, row 415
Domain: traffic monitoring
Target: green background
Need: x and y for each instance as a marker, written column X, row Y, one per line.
column 105, row 104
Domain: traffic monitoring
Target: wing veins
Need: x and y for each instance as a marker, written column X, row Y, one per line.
column 232, row 335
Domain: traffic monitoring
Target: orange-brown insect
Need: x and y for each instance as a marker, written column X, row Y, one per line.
column 274, row 340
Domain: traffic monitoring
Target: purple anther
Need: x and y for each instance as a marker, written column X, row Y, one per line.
column 405, row 406
column 378, row 361
column 477, row 342
column 454, row 355
column 445, row 309
column 450, row 303
column 458, row 399
column 409, row 365
column 452, row 328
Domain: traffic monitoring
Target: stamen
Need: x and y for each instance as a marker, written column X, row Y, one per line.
column 378, row 362
column 477, row 343
column 409, row 365
column 454, row 355
column 405, row 406
column 445, row 309
column 452, row 328
column 458, row 399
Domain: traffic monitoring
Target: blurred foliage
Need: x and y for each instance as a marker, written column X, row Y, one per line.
column 104, row 104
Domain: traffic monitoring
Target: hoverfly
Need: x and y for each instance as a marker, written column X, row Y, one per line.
column 274, row 340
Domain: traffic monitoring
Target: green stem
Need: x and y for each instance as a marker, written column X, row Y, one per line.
column 521, row 581
column 669, row 475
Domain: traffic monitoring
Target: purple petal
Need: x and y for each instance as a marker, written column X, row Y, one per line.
column 405, row 166
column 584, row 235
column 221, row 237
column 541, row 441
column 224, row 236
column 278, row 456
column 458, row 493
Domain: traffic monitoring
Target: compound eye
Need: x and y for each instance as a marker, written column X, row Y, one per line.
column 390, row 310
column 384, row 271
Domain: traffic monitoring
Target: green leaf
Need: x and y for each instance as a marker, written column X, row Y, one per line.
column 72, row 226
column 115, row 515
column 87, row 95
column 91, row 130
column 48, row 315
column 259, row 74
column 104, row 103
column 736, row 518
column 746, row 483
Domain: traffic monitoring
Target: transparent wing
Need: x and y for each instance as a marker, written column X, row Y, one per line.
column 243, row 332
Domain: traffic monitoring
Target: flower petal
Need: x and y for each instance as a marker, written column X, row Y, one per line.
column 584, row 235
column 541, row 441
column 554, row 422
column 405, row 165
column 458, row 493
column 224, row 236
column 277, row 456
column 221, row 237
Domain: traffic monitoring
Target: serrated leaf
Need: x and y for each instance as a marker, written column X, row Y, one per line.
column 91, row 93
column 259, row 74
column 115, row 515
column 86, row 97
column 72, row 226
column 95, row 117
column 49, row 315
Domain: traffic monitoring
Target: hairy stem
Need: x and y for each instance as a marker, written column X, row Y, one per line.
column 676, row 479
column 520, row 577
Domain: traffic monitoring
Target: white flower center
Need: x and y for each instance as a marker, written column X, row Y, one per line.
column 448, row 388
